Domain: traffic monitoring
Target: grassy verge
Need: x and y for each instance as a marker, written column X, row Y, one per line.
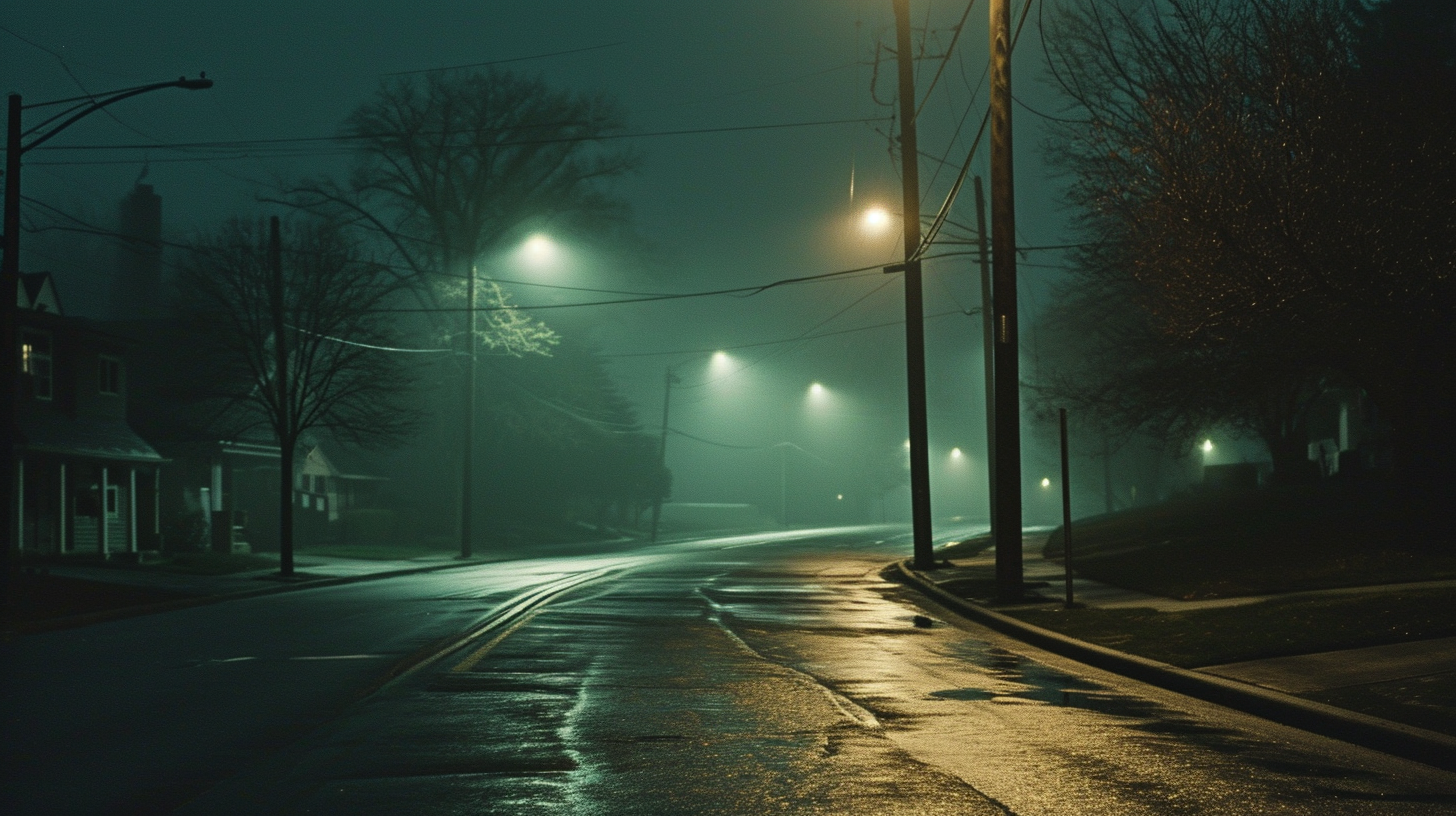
column 1273, row 628
column 1269, row 541
column 37, row 597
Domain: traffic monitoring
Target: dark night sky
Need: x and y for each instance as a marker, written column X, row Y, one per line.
column 723, row 209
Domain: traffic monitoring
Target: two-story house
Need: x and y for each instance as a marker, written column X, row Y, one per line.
column 87, row 483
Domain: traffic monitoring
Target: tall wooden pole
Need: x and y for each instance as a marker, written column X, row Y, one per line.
column 10, row 361
column 283, row 392
column 914, row 305
column 1003, row 259
column 988, row 348
column 467, row 472
column 667, row 380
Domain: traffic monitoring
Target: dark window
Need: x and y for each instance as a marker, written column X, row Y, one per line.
column 110, row 376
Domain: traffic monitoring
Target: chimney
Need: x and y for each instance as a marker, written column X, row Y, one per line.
column 137, row 283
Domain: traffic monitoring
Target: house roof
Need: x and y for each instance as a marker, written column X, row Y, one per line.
column 84, row 437
column 36, row 292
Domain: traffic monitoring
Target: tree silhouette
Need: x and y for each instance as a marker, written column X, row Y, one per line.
column 338, row 374
column 1262, row 213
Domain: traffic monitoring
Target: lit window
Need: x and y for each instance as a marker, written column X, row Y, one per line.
column 303, row 499
column 110, row 376
column 35, row 360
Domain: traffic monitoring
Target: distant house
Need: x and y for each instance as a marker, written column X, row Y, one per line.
column 87, row 481
column 323, row 495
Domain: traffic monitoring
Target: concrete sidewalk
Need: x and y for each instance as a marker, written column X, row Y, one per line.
column 1265, row 688
column 309, row 566
column 1299, row 674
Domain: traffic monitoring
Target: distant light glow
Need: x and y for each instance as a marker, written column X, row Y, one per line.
column 839, row 497
column 955, row 453
column 1045, row 482
column 721, row 364
column 907, row 444
column 875, row 220
column 1207, row 446
column 540, row 251
column 816, row 390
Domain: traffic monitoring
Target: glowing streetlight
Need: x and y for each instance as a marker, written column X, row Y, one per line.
column 1045, row 482
column 816, row 390
column 875, row 220
column 539, row 251
column 955, row 453
column 1207, row 446
column 721, row 365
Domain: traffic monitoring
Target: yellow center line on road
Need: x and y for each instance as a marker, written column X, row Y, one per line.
column 476, row 656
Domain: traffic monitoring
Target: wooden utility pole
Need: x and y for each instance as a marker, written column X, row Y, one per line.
column 283, row 392
column 914, row 307
column 10, row 539
column 988, row 347
column 668, row 378
column 1003, row 259
column 467, row 472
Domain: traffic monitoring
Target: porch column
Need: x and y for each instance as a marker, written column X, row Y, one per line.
column 157, row 504
column 131, row 508
column 20, row 503
column 61, row 530
column 102, row 537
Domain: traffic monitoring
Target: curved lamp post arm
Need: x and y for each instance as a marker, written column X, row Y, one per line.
column 182, row 82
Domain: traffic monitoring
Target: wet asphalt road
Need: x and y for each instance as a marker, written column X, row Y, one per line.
column 735, row 676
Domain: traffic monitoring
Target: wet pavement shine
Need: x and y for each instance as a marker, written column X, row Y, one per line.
column 784, row 675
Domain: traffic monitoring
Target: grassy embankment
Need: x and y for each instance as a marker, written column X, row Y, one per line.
column 1345, row 565
column 1263, row 543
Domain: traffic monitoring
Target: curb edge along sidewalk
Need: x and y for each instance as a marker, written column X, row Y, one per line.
column 1409, row 742
column 89, row 618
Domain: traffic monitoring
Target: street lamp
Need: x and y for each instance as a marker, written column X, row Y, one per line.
column 539, row 251
column 15, row 147
column 875, row 221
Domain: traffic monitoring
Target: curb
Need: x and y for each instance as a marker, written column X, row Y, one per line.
column 1409, row 742
column 90, row 618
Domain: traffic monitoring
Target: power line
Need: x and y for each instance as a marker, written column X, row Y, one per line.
column 744, row 291
column 762, row 343
column 235, row 145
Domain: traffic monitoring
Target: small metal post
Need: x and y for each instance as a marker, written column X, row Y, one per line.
column 1066, row 509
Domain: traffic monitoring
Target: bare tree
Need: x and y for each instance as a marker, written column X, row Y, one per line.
column 452, row 166
column 338, row 373
column 1258, row 216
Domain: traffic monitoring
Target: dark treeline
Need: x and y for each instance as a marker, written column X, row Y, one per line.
column 1267, row 194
